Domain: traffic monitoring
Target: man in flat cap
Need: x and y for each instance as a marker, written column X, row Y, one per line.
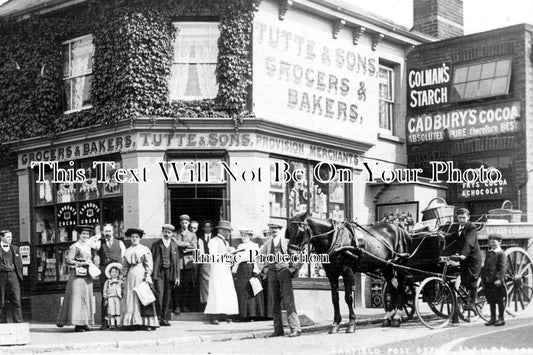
column 10, row 277
column 279, row 280
column 493, row 278
column 187, row 242
column 469, row 255
column 166, row 272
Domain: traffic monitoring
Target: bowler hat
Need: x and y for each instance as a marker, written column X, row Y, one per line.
column 463, row 210
column 497, row 237
column 224, row 225
column 131, row 231
column 83, row 227
column 185, row 216
column 168, row 226
column 110, row 266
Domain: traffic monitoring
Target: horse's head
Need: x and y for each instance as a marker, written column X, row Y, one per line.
column 297, row 232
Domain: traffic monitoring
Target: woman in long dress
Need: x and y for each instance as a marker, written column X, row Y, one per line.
column 137, row 266
column 222, row 299
column 77, row 307
column 250, row 305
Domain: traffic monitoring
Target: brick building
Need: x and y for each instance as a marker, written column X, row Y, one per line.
column 148, row 85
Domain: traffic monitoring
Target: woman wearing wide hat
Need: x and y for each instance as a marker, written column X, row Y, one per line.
column 222, row 299
column 137, row 266
column 77, row 307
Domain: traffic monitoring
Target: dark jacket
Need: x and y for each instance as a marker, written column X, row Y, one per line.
column 17, row 261
column 157, row 255
column 469, row 245
column 495, row 266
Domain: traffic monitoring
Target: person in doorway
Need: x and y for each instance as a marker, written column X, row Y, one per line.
column 77, row 307
column 109, row 250
column 470, row 257
column 10, row 277
column 222, row 298
column 493, row 278
column 251, row 305
column 204, row 269
column 187, row 244
column 279, row 279
column 166, row 273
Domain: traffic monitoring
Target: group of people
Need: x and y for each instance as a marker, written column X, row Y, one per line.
column 170, row 269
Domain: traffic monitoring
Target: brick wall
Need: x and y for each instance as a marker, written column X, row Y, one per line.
column 512, row 41
column 438, row 18
column 9, row 203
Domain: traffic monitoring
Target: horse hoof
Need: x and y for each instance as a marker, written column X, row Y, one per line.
column 396, row 323
column 351, row 328
column 386, row 323
column 334, row 329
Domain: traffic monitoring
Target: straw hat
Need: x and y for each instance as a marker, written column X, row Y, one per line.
column 110, row 266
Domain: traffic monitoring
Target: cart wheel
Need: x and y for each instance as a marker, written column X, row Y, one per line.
column 408, row 307
column 519, row 280
column 434, row 303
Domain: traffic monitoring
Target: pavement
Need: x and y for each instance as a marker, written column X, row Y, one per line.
column 46, row 337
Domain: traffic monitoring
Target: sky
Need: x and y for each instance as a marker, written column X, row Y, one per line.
column 479, row 15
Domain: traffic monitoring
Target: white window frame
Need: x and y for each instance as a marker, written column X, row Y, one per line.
column 389, row 100
column 176, row 62
column 466, row 81
column 70, row 76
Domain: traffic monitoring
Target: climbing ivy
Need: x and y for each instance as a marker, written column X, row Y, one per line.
column 133, row 43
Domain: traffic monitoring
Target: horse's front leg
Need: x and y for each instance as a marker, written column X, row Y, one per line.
column 334, row 283
column 392, row 317
column 348, row 297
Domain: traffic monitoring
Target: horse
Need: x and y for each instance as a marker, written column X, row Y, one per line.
column 349, row 252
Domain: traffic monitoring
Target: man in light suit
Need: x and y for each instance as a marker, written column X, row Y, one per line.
column 279, row 279
column 10, row 276
column 166, row 272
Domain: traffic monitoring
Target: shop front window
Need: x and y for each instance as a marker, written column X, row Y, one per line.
column 312, row 193
column 59, row 207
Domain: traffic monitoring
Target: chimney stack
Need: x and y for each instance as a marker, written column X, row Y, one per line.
column 438, row 18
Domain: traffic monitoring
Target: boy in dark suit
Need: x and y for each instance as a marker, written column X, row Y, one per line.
column 493, row 278
column 10, row 276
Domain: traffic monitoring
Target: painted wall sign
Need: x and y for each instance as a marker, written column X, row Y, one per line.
column 78, row 150
column 464, row 123
column 303, row 78
column 90, row 213
column 483, row 190
column 66, row 216
column 428, row 86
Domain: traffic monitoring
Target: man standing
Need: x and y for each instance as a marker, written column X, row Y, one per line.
column 10, row 275
column 204, row 269
column 166, row 272
column 110, row 250
column 187, row 243
column 469, row 255
column 279, row 277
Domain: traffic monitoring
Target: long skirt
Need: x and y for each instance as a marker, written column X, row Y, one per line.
column 249, row 305
column 77, row 307
column 131, row 306
column 222, row 296
column 204, row 272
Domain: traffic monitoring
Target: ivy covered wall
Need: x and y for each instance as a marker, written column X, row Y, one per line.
column 133, row 43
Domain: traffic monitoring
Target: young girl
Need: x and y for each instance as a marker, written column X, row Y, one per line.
column 493, row 274
column 112, row 294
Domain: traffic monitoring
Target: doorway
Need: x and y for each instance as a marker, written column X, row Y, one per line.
column 200, row 202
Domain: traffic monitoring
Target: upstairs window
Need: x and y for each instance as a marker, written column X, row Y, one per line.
column 78, row 72
column 193, row 74
column 480, row 80
column 386, row 98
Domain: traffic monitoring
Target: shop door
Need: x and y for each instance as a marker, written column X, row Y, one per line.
column 201, row 203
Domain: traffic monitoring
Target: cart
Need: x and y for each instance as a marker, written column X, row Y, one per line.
column 432, row 288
